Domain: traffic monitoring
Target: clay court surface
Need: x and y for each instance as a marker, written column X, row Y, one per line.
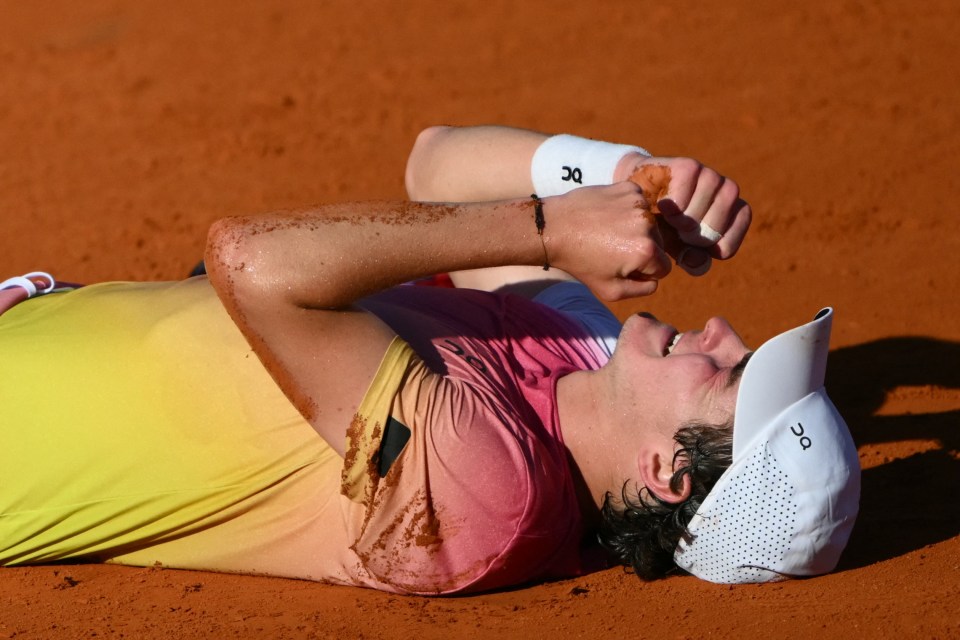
column 127, row 127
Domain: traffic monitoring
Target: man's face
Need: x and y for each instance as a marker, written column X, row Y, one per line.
column 676, row 378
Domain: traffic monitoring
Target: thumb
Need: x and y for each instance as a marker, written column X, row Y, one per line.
column 636, row 288
column 694, row 260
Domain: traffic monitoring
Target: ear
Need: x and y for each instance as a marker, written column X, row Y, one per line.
column 656, row 469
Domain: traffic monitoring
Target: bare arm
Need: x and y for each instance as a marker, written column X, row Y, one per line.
column 473, row 164
column 289, row 280
column 456, row 164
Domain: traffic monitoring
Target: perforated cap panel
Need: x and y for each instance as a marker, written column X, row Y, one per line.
column 753, row 519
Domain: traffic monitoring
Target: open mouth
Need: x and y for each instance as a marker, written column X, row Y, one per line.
column 672, row 343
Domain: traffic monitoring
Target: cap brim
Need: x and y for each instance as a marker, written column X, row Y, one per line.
column 782, row 371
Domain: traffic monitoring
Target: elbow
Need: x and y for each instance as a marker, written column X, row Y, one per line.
column 417, row 175
column 224, row 255
column 256, row 264
column 241, row 258
column 222, row 242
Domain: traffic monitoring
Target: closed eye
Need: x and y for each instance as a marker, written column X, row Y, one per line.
column 737, row 371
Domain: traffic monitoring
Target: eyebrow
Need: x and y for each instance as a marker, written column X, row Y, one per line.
column 737, row 371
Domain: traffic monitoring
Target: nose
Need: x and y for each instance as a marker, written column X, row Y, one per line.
column 720, row 340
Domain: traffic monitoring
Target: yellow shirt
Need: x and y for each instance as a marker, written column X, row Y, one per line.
column 122, row 439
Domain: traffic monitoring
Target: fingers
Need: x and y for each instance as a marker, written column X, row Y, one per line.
column 650, row 263
column 733, row 237
column 655, row 262
column 694, row 260
column 699, row 195
column 706, row 211
column 722, row 218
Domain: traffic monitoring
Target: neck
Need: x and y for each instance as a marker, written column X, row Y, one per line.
column 598, row 455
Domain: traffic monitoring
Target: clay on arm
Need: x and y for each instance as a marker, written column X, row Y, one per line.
column 289, row 281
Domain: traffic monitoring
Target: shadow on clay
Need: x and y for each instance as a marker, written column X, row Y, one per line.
column 908, row 503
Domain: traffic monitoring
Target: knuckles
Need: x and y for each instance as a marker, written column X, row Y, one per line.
column 730, row 190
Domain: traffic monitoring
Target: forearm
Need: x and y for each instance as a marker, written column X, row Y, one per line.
column 471, row 164
column 332, row 256
column 457, row 164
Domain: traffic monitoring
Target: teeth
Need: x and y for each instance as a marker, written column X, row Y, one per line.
column 673, row 343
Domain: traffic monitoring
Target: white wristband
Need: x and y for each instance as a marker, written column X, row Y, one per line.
column 564, row 163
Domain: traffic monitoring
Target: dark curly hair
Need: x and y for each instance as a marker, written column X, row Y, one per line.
column 644, row 533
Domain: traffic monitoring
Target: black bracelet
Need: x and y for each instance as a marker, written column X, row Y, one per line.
column 541, row 223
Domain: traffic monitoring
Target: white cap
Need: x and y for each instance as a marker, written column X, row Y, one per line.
column 786, row 505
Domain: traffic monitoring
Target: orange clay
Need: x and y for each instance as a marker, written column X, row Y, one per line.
column 655, row 182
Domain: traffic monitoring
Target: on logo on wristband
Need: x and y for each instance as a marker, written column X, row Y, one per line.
column 572, row 173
